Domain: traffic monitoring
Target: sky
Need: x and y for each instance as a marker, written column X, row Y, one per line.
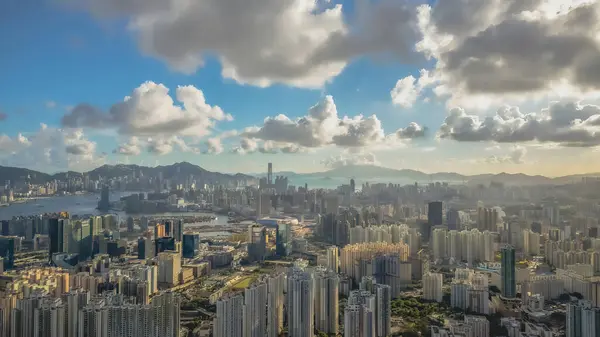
column 465, row 86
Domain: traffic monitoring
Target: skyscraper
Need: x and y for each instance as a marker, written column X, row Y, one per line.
column 333, row 258
column 275, row 302
column 145, row 249
column 270, row 174
column 507, row 272
column 55, row 234
column 255, row 310
column 300, row 304
column 104, row 203
column 435, row 213
column 383, row 310
column 257, row 241
column 326, row 301
column 178, row 228
column 283, row 239
column 191, row 245
column 228, row 321
column 7, row 251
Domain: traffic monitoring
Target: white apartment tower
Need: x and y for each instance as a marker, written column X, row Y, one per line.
column 300, row 304
column 229, row 318
column 255, row 311
column 326, row 301
column 432, row 287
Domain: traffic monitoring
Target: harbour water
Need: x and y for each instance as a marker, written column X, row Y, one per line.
column 83, row 205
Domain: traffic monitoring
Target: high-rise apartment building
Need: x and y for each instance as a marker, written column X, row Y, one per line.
column 326, row 301
column 432, row 287
column 275, row 304
column 228, row 321
column 333, row 258
column 508, row 272
column 383, row 310
column 300, row 303
column 255, row 310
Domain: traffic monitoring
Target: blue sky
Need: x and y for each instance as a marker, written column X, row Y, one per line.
column 57, row 56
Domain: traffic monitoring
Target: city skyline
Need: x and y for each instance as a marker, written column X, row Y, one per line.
column 346, row 84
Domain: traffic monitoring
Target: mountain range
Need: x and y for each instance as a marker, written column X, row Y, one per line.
column 361, row 173
column 113, row 171
column 373, row 173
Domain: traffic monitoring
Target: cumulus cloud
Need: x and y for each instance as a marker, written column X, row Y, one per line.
column 150, row 111
column 349, row 159
column 297, row 42
column 322, row 127
column 50, row 149
column 132, row 147
column 478, row 47
column 516, row 156
column 567, row 124
column 412, row 131
column 165, row 145
column 408, row 89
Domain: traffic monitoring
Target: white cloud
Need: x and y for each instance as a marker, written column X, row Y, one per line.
column 131, row 148
column 50, row 149
column 50, row 104
column 516, row 156
column 408, row 89
column 567, row 124
column 349, row 159
column 301, row 43
column 323, row 127
column 165, row 145
column 150, row 111
column 481, row 58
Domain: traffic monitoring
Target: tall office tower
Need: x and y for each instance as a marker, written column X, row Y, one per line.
column 270, row 174
column 75, row 300
column 169, row 228
column 228, row 321
column 283, row 239
column 300, row 303
column 453, row 219
column 275, row 301
column 7, row 252
column 104, row 203
column 507, row 272
column 383, row 310
column 169, row 266
column 159, row 231
column 255, row 311
column 191, row 245
column 435, row 213
column 144, row 224
column 49, row 319
column 145, row 248
column 55, row 235
column 432, row 287
column 327, row 286
column 257, row 241
column 439, row 243
column 333, row 258
column 178, row 228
